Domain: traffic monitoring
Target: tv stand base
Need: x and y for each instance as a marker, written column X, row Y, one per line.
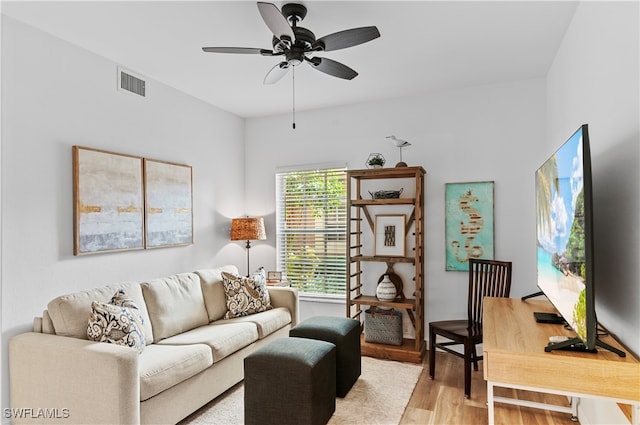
column 535, row 294
column 576, row 344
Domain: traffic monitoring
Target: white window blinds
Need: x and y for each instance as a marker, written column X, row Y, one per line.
column 311, row 225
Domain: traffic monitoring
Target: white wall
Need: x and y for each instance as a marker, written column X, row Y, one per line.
column 55, row 95
column 482, row 133
column 594, row 79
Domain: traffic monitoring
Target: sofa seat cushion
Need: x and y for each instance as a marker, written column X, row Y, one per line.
column 70, row 313
column 175, row 304
column 267, row 321
column 223, row 339
column 163, row 366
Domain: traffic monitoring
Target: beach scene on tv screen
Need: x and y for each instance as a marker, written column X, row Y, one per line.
column 560, row 232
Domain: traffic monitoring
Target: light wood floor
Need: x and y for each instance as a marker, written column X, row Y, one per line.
column 442, row 401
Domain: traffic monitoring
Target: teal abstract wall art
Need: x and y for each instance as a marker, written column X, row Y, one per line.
column 468, row 223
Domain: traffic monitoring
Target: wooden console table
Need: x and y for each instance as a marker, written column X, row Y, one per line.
column 514, row 357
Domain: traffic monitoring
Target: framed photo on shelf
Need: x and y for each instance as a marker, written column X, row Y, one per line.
column 389, row 232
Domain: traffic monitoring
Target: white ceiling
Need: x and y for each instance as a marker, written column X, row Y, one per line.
column 424, row 46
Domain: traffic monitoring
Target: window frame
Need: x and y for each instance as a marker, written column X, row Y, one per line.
column 333, row 233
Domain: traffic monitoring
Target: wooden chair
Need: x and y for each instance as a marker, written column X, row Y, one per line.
column 487, row 278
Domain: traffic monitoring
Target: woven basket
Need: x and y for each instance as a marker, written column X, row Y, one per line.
column 385, row 194
column 383, row 326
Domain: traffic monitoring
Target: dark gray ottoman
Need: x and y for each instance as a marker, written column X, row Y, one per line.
column 345, row 334
column 290, row 381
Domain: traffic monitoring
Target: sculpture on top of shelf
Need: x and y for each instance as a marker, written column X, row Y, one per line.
column 399, row 143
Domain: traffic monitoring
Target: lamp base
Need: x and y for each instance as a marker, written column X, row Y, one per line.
column 401, row 164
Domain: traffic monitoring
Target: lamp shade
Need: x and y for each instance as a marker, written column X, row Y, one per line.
column 248, row 229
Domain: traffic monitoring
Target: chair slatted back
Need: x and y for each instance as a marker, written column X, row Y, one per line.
column 487, row 278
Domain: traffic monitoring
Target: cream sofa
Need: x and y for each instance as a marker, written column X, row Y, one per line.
column 192, row 353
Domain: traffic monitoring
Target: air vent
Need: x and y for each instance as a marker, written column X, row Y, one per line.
column 131, row 83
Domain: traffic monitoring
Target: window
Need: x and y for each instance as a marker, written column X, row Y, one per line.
column 311, row 221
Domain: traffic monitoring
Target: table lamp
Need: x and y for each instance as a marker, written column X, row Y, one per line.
column 248, row 229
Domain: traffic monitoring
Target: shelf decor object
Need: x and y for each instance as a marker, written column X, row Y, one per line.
column 248, row 229
column 394, row 239
column 385, row 194
column 468, row 223
column 389, row 235
column 375, row 160
column 399, row 143
column 383, row 326
column 396, row 280
column 386, row 290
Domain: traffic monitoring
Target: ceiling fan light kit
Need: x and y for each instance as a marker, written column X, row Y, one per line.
column 298, row 44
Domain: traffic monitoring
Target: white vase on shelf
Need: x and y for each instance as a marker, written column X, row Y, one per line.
column 386, row 290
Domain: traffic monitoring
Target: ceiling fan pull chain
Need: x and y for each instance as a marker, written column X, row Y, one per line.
column 294, row 95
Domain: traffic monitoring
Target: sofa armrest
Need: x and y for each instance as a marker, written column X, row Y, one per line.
column 286, row 297
column 63, row 380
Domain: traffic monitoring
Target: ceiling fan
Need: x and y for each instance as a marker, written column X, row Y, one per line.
column 298, row 44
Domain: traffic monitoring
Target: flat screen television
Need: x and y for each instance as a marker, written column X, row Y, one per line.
column 564, row 236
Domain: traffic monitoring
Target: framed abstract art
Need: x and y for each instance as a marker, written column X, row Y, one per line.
column 169, row 205
column 108, row 201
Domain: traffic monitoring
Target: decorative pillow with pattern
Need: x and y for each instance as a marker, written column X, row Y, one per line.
column 245, row 296
column 117, row 322
column 260, row 276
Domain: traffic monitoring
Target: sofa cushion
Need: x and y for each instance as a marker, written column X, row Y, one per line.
column 69, row 313
column 223, row 339
column 118, row 322
column 267, row 321
column 163, row 366
column 213, row 290
column 175, row 304
column 244, row 295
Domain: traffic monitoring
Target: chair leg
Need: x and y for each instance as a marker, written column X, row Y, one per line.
column 475, row 358
column 467, row 368
column 432, row 353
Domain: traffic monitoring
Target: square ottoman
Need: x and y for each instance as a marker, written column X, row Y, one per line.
column 290, row 381
column 345, row 334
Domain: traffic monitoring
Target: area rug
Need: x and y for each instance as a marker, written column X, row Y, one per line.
column 379, row 396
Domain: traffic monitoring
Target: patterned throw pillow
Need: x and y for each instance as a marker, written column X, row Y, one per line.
column 117, row 322
column 260, row 276
column 245, row 296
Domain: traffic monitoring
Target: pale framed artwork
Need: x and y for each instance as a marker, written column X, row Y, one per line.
column 168, row 204
column 108, row 201
column 389, row 235
column 469, row 223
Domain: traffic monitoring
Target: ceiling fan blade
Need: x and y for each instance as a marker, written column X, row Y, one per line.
column 240, row 50
column 276, row 73
column 276, row 21
column 333, row 68
column 347, row 38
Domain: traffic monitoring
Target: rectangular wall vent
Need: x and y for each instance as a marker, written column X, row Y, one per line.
column 131, row 83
